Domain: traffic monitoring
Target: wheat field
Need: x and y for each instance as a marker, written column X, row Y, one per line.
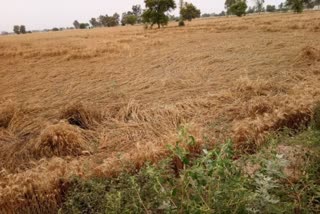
column 95, row 102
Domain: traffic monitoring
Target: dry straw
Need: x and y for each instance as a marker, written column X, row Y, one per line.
column 96, row 102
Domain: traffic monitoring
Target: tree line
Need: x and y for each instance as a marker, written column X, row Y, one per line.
column 20, row 29
column 156, row 13
column 240, row 7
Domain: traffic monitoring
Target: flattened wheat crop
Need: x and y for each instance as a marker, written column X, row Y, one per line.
column 90, row 102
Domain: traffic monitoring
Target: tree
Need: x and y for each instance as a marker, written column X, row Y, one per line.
column 205, row 15
column 251, row 10
column 16, row 29
column 109, row 21
column 309, row 3
column 189, row 12
column 94, row 22
column 124, row 17
column 271, row 8
column 132, row 17
column 295, row 5
column 222, row 13
column 23, row 29
column 228, row 4
column 116, row 19
column 131, row 20
column 76, row 24
column 84, row 26
column 155, row 12
column 55, row 29
column 317, row 3
column 281, row 6
column 137, row 11
column 239, row 8
column 259, row 5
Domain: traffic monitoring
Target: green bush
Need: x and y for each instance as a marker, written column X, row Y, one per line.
column 214, row 181
column 181, row 23
column 131, row 20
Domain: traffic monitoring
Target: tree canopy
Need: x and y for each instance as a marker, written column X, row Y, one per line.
column 259, row 5
column 189, row 12
column 132, row 17
column 19, row 29
column 295, row 5
column 155, row 12
column 76, row 24
column 239, row 7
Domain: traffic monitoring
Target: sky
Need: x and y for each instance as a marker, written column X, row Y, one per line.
column 46, row 14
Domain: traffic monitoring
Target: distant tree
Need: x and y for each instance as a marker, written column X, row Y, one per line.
column 55, row 29
column 76, row 24
column 251, row 10
column 23, row 29
column 222, row 13
column 271, row 8
column 124, row 17
column 4, row 33
column 109, row 21
column 239, row 8
column 317, row 3
column 131, row 20
column 309, row 3
column 189, row 12
column 281, row 6
column 173, row 18
column 103, row 20
column 295, row 5
column 259, row 5
column 94, row 22
column 205, row 15
column 84, row 25
column 155, row 12
column 116, row 19
column 228, row 4
column 137, row 11
column 16, row 29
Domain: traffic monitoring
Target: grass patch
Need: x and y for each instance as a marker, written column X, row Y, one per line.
column 214, row 181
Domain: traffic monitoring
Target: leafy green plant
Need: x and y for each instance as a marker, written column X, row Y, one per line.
column 239, row 8
column 211, row 181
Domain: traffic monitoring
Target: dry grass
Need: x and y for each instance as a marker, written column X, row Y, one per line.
column 81, row 116
column 90, row 102
column 60, row 140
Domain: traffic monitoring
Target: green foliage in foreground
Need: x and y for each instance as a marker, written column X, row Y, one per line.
column 214, row 181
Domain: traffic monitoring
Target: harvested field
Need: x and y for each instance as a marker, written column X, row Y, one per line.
column 90, row 102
